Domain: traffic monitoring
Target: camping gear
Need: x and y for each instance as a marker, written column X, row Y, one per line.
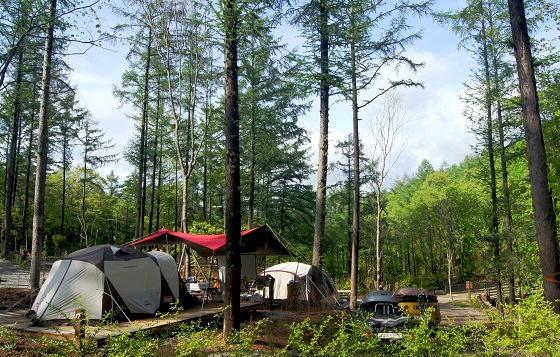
column 416, row 301
column 104, row 278
column 294, row 281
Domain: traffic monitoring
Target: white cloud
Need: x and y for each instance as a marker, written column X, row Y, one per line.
column 95, row 75
column 435, row 131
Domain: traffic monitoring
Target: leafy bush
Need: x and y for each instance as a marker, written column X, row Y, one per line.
column 52, row 348
column 194, row 340
column 333, row 336
column 451, row 340
column 530, row 328
column 127, row 345
column 7, row 340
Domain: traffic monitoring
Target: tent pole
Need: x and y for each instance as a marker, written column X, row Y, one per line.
column 181, row 260
column 200, row 269
column 188, row 261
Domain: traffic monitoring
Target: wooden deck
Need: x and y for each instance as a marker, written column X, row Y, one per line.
column 16, row 320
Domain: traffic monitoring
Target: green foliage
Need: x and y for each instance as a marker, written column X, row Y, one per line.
column 240, row 342
column 59, row 241
column 403, row 283
column 426, row 340
column 333, row 336
column 51, row 347
column 8, row 340
column 530, row 327
column 128, row 345
column 194, row 340
column 198, row 227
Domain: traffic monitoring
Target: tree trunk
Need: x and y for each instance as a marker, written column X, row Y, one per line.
column 154, row 169
column 356, row 202
column 378, row 239
column 505, row 188
column 25, row 218
column 449, row 269
column 252, row 139
column 41, row 171
column 538, row 172
column 65, row 168
column 138, row 228
column 12, row 154
column 349, row 215
column 158, row 203
column 233, row 199
column 507, row 209
column 320, row 200
column 84, row 193
column 490, row 148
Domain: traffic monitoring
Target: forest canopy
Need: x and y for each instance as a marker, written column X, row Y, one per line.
column 433, row 227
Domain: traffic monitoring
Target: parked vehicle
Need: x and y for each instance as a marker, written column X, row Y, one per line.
column 416, row 301
column 381, row 310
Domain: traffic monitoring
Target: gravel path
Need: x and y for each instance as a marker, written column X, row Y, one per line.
column 451, row 313
column 13, row 276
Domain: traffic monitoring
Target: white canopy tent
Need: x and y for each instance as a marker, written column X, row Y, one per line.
column 286, row 273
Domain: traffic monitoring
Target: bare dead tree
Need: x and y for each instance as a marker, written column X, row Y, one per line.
column 385, row 129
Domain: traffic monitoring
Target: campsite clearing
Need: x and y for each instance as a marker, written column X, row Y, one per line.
column 30, row 344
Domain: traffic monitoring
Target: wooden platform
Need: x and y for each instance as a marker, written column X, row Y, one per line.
column 16, row 320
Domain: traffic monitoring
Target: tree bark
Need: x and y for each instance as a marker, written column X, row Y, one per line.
column 233, row 196
column 356, row 197
column 491, row 162
column 252, row 150
column 154, row 169
column 507, row 209
column 139, row 227
column 320, row 200
column 10, row 169
column 41, row 170
column 25, row 218
column 538, row 171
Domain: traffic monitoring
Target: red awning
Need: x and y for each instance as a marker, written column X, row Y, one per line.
column 259, row 241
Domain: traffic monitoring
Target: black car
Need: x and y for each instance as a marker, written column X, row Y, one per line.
column 381, row 309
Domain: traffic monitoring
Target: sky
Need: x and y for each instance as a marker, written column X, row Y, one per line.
column 435, row 131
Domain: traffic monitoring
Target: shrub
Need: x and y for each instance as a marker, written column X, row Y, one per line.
column 333, row 336
column 194, row 340
column 530, row 327
column 127, row 345
column 7, row 340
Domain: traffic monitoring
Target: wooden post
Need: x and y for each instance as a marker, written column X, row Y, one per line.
column 79, row 328
column 469, row 285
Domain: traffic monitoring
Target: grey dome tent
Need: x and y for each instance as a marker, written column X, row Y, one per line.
column 104, row 278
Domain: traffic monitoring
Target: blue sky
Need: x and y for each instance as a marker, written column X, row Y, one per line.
column 436, row 130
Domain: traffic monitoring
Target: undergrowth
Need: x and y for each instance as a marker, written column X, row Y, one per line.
column 530, row 328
